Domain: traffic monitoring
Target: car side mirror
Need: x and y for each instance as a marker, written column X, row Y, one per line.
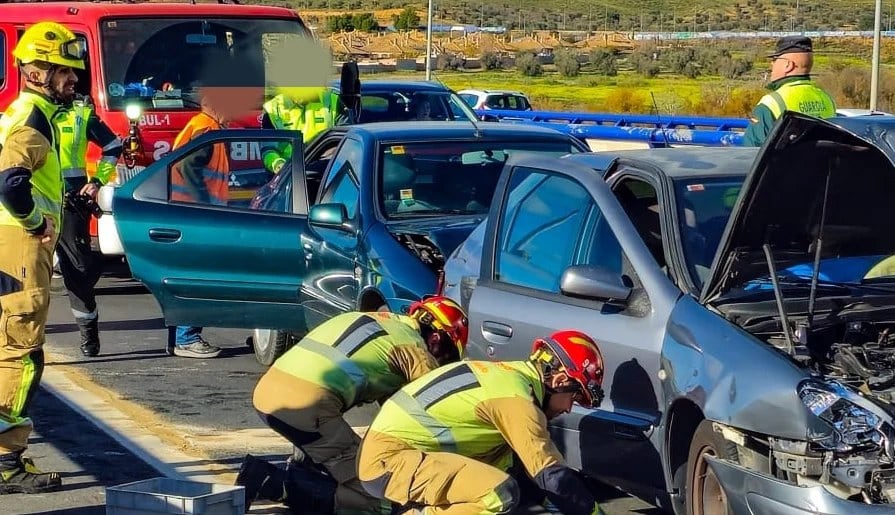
column 330, row 216
column 594, row 283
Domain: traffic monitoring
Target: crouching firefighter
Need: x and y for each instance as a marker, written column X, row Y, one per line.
column 352, row 359
column 447, row 442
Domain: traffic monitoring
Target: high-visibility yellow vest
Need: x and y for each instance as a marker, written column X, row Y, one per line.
column 802, row 96
column 47, row 187
column 349, row 355
column 71, row 127
column 310, row 118
column 438, row 412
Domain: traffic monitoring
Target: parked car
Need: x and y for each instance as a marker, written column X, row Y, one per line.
column 743, row 299
column 364, row 222
column 495, row 99
column 400, row 101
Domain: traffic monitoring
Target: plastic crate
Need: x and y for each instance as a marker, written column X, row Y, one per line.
column 164, row 495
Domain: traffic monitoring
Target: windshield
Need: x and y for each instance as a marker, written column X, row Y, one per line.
column 448, row 177
column 703, row 208
column 399, row 106
column 156, row 62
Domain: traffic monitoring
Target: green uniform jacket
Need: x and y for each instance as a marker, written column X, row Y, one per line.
column 796, row 93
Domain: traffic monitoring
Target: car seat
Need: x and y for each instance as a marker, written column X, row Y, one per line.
column 398, row 172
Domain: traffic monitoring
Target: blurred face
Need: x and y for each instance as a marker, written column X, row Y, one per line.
column 232, row 103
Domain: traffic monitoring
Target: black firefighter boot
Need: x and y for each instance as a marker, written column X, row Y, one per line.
column 305, row 490
column 18, row 475
column 89, row 336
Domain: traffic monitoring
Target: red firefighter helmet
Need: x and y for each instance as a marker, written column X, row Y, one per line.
column 445, row 315
column 576, row 354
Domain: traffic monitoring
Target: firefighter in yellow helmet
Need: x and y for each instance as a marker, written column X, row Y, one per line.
column 446, row 442
column 31, row 190
column 308, row 109
column 352, row 359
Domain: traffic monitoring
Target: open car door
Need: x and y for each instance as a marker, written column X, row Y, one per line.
column 213, row 261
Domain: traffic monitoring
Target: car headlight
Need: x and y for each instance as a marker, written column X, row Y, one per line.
column 853, row 420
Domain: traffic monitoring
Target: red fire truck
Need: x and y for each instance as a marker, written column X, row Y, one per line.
column 143, row 60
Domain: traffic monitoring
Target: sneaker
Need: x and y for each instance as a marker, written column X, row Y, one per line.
column 28, row 479
column 197, row 349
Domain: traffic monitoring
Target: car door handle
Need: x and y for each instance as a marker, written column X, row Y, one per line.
column 164, row 235
column 497, row 329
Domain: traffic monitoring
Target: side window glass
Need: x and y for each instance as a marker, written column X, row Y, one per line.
column 226, row 173
column 341, row 186
column 84, row 80
column 540, row 233
column 344, row 190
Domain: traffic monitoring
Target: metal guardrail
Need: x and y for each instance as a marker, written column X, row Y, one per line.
column 657, row 131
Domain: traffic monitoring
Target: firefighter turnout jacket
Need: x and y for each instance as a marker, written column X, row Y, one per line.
column 486, row 411
column 361, row 357
column 31, row 185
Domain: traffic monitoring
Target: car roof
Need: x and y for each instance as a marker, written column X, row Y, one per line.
column 378, row 86
column 453, row 130
column 679, row 162
column 493, row 91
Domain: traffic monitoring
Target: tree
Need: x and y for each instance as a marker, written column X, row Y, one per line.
column 450, row 62
column 365, row 22
column 528, row 64
column 604, row 61
column 490, row 60
column 566, row 62
column 406, row 19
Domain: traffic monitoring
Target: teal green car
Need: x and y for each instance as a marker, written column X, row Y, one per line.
column 362, row 218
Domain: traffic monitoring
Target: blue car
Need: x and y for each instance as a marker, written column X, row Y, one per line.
column 363, row 221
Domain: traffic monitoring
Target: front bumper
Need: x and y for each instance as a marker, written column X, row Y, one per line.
column 751, row 493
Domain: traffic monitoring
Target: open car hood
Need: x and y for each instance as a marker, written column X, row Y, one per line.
column 782, row 200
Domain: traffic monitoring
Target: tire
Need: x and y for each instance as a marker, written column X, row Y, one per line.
column 270, row 344
column 704, row 493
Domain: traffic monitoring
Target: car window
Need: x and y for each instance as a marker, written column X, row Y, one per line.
column 470, row 99
column 436, row 178
column 219, row 173
column 539, row 235
column 341, row 183
column 495, row 102
column 704, row 206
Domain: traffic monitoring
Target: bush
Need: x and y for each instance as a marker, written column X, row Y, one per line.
column 347, row 22
column 450, row 62
column 528, row 64
column 566, row 62
column 735, row 68
column 626, row 100
column 491, row 61
column 645, row 60
column 604, row 61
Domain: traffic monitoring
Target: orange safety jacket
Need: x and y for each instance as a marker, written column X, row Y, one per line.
column 202, row 176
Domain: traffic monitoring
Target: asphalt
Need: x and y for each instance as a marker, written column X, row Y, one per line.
column 169, row 416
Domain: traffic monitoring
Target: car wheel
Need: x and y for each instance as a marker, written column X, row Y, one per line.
column 704, row 493
column 270, row 344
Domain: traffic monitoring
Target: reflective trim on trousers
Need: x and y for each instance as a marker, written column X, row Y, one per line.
column 440, row 432
column 15, row 419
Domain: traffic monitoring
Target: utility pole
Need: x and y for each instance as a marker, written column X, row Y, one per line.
column 429, row 44
column 874, row 67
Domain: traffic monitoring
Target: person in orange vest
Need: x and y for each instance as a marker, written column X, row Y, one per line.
column 203, row 175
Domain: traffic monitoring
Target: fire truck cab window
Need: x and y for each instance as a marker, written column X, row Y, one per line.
column 157, row 62
column 3, row 58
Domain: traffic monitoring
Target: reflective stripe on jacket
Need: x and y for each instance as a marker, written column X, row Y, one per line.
column 362, row 357
column 206, row 181
column 37, row 113
column 479, row 409
column 802, row 96
column 71, row 126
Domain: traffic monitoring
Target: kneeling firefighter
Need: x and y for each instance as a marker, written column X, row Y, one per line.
column 349, row 360
column 446, row 443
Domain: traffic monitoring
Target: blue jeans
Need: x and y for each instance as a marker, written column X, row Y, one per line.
column 187, row 334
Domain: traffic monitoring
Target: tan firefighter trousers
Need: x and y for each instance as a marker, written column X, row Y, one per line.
column 310, row 417
column 439, row 483
column 26, row 266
